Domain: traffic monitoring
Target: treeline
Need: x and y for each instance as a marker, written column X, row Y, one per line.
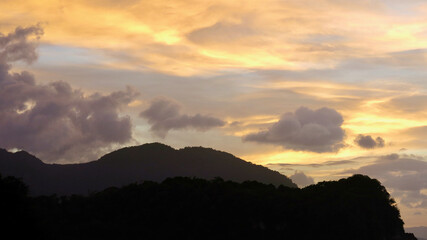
column 186, row 208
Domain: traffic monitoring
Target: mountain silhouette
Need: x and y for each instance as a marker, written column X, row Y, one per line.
column 152, row 162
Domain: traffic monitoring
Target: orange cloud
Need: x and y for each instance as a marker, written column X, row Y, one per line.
column 199, row 37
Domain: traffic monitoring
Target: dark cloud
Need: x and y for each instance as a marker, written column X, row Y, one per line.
column 16, row 45
column 306, row 130
column 301, row 179
column 393, row 156
column 164, row 115
column 404, row 175
column 55, row 121
column 368, row 142
column 315, row 165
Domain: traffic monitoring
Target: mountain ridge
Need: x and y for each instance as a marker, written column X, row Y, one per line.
column 151, row 161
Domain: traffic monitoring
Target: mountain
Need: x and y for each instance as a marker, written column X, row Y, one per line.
column 419, row 232
column 153, row 162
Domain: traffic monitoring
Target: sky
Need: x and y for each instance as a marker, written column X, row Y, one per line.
column 317, row 90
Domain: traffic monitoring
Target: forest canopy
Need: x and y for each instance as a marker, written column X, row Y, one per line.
column 357, row 207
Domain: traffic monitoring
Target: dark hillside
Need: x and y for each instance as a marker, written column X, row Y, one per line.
column 153, row 162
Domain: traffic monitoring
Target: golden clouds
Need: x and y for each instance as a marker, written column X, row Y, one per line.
column 386, row 110
column 199, row 37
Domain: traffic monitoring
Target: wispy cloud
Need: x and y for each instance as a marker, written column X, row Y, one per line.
column 195, row 37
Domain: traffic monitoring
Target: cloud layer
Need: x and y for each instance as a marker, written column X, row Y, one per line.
column 301, row 179
column 305, row 130
column 368, row 142
column 55, row 121
column 164, row 115
column 195, row 37
column 405, row 175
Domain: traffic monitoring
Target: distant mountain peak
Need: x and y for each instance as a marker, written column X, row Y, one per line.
column 24, row 154
column 151, row 161
column 20, row 156
column 156, row 145
column 146, row 146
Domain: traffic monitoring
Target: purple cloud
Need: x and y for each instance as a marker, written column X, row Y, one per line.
column 368, row 142
column 164, row 115
column 301, row 179
column 304, row 130
column 54, row 120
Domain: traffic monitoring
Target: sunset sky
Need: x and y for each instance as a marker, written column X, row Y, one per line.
column 317, row 90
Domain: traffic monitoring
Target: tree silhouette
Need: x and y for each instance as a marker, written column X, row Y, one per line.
column 190, row 208
column 18, row 220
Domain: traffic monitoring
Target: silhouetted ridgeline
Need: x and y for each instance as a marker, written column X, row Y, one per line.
column 154, row 162
column 420, row 232
column 186, row 208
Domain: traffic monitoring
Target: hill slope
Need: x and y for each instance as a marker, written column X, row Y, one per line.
column 154, row 162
